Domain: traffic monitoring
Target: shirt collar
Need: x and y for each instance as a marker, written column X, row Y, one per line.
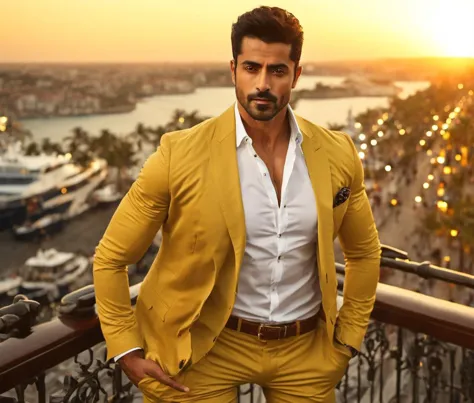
column 241, row 133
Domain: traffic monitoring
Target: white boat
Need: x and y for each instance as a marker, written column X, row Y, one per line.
column 32, row 187
column 107, row 194
column 48, row 224
column 55, row 273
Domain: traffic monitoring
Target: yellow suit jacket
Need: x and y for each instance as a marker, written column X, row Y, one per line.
column 190, row 187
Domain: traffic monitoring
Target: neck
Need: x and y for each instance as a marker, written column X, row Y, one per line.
column 266, row 133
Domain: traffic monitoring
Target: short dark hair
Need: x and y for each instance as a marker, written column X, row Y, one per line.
column 270, row 25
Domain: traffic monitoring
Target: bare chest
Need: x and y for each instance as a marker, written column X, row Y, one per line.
column 275, row 163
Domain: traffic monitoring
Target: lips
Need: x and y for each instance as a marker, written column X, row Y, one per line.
column 262, row 100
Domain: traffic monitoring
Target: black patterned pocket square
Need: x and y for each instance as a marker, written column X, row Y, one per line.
column 341, row 196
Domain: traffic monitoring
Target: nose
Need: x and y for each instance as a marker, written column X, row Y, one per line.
column 263, row 84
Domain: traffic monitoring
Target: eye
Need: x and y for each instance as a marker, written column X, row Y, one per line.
column 250, row 68
column 279, row 72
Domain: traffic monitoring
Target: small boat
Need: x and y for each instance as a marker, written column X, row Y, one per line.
column 107, row 194
column 54, row 273
column 46, row 225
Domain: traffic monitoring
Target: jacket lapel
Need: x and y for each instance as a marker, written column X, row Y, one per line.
column 225, row 173
column 320, row 176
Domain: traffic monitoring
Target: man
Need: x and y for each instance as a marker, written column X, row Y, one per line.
column 243, row 289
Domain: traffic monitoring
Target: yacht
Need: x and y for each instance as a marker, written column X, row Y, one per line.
column 54, row 274
column 107, row 195
column 34, row 187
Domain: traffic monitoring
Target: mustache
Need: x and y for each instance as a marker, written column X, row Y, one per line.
column 262, row 95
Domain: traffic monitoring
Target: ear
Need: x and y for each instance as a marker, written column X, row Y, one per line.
column 298, row 72
column 232, row 70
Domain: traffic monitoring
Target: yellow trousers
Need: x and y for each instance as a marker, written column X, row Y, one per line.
column 305, row 368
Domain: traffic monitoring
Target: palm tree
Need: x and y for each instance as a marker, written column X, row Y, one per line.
column 78, row 145
column 32, row 149
column 123, row 159
column 49, row 147
column 117, row 151
column 141, row 135
column 182, row 120
column 156, row 134
column 103, row 146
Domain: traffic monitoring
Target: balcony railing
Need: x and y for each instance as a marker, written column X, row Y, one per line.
column 417, row 349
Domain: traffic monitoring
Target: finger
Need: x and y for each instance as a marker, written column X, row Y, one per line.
column 156, row 372
column 160, row 376
column 165, row 379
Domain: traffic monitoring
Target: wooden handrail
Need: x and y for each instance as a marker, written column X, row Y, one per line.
column 53, row 342
column 48, row 344
column 425, row 270
column 443, row 320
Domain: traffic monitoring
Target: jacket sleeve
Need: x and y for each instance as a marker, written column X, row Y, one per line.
column 361, row 247
column 127, row 237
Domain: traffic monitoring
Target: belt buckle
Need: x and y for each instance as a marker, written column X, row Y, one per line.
column 261, row 326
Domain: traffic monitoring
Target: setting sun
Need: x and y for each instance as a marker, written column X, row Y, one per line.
column 452, row 28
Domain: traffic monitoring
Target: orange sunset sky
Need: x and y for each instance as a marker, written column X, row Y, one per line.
column 199, row 30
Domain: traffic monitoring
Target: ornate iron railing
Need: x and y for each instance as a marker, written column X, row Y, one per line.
column 417, row 349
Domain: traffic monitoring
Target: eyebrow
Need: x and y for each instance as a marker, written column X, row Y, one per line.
column 271, row 66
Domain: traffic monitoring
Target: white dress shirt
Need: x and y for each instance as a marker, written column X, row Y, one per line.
column 278, row 280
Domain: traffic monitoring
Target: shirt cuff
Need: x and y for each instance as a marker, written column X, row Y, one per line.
column 116, row 358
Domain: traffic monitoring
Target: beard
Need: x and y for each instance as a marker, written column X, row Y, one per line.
column 262, row 111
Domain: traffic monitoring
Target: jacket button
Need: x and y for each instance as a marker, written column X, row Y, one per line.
column 181, row 364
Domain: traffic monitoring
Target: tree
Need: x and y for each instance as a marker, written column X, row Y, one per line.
column 182, row 120
column 49, row 147
column 32, row 149
column 123, row 158
column 78, row 145
column 117, row 151
column 140, row 135
column 155, row 135
column 104, row 145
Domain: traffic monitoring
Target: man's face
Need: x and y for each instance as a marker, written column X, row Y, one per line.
column 264, row 76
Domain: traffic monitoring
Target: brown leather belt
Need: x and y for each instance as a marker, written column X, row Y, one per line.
column 267, row 332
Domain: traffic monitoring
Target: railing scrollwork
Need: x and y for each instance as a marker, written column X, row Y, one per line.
column 96, row 380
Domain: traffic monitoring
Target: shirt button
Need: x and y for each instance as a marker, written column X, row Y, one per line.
column 264, row 174
column 284, row 206
column 255, row 155
column 279, row 235
column 279, row 258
